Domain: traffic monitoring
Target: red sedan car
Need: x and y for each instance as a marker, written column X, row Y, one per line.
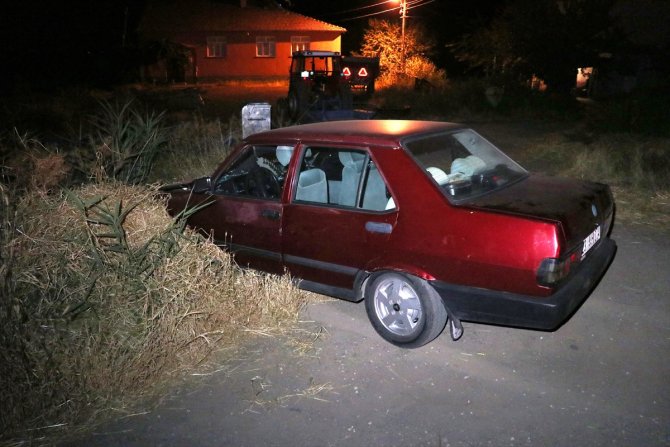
column 427, row 222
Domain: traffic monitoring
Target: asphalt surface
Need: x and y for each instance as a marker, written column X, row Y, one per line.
column 602, row 379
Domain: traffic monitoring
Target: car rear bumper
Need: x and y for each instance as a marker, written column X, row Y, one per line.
column 509, row 309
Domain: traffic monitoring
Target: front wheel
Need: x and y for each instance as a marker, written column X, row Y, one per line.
column 404, row 310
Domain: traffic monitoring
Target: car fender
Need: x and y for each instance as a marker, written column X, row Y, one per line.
column 364, row 276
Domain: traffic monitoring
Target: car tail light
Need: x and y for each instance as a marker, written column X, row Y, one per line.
column 553, row 270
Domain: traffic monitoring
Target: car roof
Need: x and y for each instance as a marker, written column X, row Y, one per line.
column 377, row 132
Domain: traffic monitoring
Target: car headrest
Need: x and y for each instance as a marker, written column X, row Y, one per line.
column 284, row 154
column 352, row 159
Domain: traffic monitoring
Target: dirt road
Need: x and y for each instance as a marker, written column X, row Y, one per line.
column 603, row 379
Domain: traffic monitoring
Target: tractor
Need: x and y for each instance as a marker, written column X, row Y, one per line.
column 317, row 84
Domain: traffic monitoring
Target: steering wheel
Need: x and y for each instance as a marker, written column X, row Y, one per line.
column 261, row 182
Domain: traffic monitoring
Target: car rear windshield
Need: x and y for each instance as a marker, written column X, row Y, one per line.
column 464, row 164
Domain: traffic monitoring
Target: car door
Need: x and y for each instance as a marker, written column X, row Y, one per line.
column 340, row 216
column 246, row 210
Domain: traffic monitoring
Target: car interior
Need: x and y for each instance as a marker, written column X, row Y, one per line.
column 342, row 177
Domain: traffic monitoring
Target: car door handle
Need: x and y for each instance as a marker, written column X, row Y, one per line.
column 270, row 214
column 378, row 227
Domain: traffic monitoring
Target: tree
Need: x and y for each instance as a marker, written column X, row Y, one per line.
column 547, row 38
column 383, row 38
column 490, row 49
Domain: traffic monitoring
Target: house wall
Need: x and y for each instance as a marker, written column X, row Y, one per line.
column 241, row 60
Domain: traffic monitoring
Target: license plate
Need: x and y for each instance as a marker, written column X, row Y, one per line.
column 590, row 241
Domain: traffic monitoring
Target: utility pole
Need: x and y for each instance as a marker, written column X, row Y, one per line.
column 403, row 16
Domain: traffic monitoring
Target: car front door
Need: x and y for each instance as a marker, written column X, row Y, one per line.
column 340, row 217
column 246, row 211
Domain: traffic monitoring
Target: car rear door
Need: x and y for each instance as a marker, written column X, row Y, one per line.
column 339, row 218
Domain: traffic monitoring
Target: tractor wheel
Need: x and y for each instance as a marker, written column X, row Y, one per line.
column 282, row 113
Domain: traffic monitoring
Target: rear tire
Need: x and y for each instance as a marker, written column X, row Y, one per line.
column 404, row 310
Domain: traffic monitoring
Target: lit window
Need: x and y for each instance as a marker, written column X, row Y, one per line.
column 216, row 46
column 299, row 43
column 265, row 46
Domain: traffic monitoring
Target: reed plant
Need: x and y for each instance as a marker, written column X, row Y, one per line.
column 127, row 140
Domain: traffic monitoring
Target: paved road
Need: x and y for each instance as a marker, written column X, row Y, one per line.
column 603, row 379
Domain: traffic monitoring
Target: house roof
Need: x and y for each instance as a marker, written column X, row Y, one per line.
column 202, row 15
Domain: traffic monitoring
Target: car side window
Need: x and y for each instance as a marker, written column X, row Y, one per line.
column 342, row 177
column 258, row 172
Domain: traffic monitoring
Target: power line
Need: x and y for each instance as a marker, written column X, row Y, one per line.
column 416, row 3
column 410, row 5
column 421, row 3
column 358, row 9
column 369, row 15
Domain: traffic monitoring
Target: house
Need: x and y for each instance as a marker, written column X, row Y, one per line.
column 201, row 39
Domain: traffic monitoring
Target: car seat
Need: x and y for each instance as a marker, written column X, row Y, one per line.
column 312, row 186
column 284, row 154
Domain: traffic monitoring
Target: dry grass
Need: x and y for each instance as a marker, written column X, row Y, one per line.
column 94, row 320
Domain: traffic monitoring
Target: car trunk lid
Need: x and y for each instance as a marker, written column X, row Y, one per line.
column 579, row 207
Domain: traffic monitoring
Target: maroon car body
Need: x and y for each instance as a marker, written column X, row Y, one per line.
column 426, row 221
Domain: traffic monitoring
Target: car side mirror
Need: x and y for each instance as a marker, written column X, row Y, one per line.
column 202, row 185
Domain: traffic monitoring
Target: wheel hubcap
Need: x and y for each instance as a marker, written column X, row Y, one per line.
column 397, row 306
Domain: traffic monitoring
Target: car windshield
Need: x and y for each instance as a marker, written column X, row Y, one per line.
column 464, row 164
